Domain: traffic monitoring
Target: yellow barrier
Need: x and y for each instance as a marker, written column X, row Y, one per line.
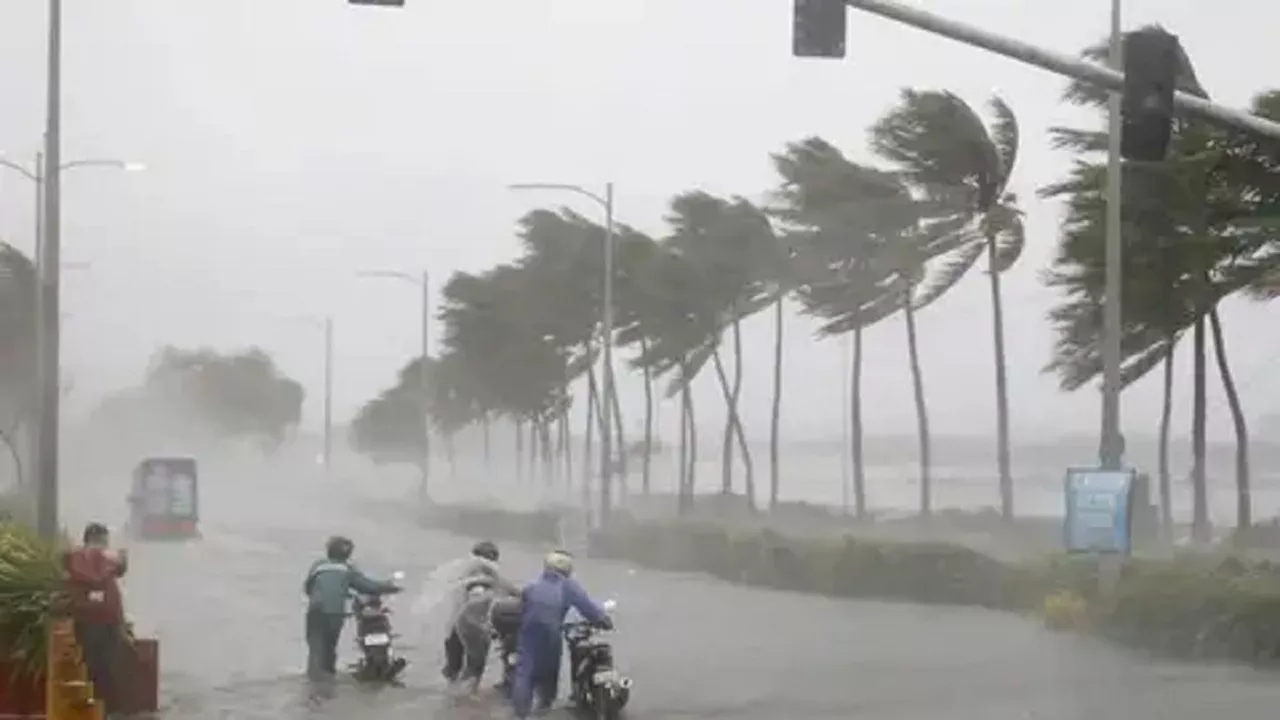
column 68, row 691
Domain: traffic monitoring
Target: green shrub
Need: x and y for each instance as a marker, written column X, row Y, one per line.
column 31, row 595
column 1191, row 606
column 537, row 526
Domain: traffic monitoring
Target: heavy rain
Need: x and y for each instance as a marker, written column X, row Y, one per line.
column 854, row 362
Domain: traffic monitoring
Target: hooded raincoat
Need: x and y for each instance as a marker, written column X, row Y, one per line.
column 545, row 603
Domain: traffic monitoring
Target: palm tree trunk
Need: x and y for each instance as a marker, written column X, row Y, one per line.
column 1244, row 497
column 1166, row 417
column 624, row 488
column 486, row 426
column 645, row 464
column 682, row 486
column 748, row 468
column 922, row 410
column 593, row 408
column 566, row 447
column 548, row 456
column 726, row 442
column 693, row 437
column 534, row 448
column 1002, row 386
column 451, row 456
column 519, row 449
column 855, row 427
column 1200, row 530
column 775, row 417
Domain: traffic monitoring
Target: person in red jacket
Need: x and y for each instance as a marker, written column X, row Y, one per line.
column 97, row 608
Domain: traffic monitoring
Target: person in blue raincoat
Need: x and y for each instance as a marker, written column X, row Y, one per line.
column 545, row 603
column 328, row 584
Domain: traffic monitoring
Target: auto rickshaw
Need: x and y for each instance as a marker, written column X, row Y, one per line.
column 164, row 501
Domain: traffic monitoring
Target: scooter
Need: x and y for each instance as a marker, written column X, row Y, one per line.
column 378, row 661
column 597, row 687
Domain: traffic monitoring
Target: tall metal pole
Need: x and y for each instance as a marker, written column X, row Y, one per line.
column 1057, row 62
column 606, row 330
column 50, row 258
column 425, row 379
column 33, row 440
column 1110, row 445
column 328, row 393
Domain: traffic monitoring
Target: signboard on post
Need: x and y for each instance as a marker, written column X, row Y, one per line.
column 1099, row 516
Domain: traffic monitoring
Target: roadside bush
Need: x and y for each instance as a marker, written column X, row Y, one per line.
column 537, row 526
column 31, row 595
column 1190, row 606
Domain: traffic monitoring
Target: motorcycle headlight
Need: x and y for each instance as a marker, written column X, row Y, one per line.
column 513, row 658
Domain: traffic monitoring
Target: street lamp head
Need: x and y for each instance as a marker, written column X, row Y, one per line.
column 133, row 166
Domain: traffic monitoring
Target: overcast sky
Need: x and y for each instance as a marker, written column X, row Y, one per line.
column 291, row 143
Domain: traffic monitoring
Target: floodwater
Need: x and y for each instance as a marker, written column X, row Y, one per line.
column 229, row 615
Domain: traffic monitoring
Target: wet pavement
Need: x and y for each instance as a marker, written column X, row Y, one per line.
column 228, row 612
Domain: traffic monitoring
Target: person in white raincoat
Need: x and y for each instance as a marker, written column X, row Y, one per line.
column 478, row 584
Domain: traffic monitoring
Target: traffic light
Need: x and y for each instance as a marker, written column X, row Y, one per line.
column 819, row 28
column 1151, row 64
column 379, row 3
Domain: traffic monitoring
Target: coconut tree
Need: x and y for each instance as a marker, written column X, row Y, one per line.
column 960, row 168
column 1197, row 229
column 860, row 250
column 724, row 241
column 673, row 337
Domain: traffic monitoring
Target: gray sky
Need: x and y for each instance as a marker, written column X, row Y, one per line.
column 290, row 143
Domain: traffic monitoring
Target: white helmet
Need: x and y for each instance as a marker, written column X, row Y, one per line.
column 560, row 561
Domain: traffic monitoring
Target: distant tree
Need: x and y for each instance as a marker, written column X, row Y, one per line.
column 17, row 347
column 241, row 395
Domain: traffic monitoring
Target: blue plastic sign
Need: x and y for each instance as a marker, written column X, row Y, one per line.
column 1099, row 516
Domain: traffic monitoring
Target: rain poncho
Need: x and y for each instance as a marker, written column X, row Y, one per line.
column 478, row 583
column 546, row 602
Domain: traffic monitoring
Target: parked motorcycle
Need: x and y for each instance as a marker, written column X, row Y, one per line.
column 378, row 659
column 597, row 686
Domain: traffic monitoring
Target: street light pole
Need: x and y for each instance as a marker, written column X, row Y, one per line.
column 424, row 283
column 50, row 259
column 1111, row 449
column 608, row 399
column 424, row 373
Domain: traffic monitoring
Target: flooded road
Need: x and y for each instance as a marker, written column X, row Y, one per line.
column 229, row 614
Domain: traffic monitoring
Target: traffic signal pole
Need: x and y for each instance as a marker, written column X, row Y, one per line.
column 1054, row 62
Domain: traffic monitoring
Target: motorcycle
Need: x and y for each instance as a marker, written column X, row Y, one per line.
column 596, row 685
column 378, row 659
column 504, row 619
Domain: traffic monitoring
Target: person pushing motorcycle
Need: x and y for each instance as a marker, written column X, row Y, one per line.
column 545, row 603
column 467, row 646
column 328, row 583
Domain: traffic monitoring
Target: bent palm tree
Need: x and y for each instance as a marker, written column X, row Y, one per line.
column 960, row 167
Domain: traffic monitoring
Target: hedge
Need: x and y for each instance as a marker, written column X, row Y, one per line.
column 1189, row 606
column 538, row 526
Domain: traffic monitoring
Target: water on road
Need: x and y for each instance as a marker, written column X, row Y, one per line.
column 229, row 614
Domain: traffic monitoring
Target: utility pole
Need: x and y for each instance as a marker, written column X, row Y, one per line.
column 51, row 264
column 425, row 380
column 606, row 330
column 1111, row 450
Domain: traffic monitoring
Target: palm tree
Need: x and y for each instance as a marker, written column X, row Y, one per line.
column 962, row 167
column 860, row 248
column 1198, row 229
column 673, row 338
column 725, row 241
